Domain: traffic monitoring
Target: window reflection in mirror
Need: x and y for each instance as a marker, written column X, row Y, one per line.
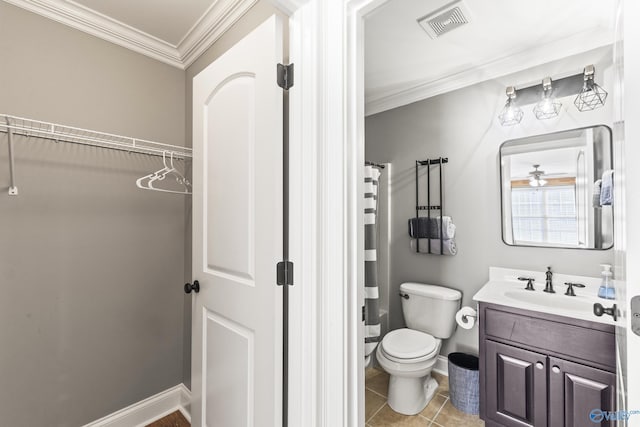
column 557, row 189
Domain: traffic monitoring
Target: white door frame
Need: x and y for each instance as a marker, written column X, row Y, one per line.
column 326, row 378
column 327, row 127
column 326, row 381
column 630, row 246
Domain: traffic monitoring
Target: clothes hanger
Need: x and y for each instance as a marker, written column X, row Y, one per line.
column 140, row 181
column 146, row 182
column 162, row 174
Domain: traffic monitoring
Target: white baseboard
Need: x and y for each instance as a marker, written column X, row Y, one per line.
column 442, row 365
column 146, row 411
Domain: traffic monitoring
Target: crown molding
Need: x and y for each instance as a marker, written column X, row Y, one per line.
column 214, row 22
column 387, row 99
column 220, row 16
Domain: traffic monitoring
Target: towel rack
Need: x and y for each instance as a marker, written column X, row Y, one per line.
column 429, row 207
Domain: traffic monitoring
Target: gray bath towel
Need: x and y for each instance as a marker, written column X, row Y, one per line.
column 425, row 228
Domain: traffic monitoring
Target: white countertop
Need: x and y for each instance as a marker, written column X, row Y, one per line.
column 504, row 288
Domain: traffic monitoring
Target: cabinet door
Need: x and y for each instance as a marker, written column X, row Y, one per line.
column 515, row 386
column 575, row 391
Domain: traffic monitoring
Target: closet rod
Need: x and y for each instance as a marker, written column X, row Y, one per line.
column 58, row 133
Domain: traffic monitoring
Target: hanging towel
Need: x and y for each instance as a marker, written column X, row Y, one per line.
column 425, row 227
column 449, row 246
column 606, row 192
column 597, row 189
column 371, row 297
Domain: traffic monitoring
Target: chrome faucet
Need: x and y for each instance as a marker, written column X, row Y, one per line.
column 548, row 287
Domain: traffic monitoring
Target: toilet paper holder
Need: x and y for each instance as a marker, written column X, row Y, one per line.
column 466, row 316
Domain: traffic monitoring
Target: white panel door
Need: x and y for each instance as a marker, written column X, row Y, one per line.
column 237, row 235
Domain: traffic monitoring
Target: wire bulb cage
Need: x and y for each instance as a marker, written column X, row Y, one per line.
column 592, row 95
column 511, row 114
column 548, row 107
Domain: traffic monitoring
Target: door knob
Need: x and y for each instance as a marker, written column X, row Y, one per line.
column 540, row 365
column 556, row 369
column 188, row 287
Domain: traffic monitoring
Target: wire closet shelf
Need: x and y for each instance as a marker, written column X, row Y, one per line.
column 63, row 133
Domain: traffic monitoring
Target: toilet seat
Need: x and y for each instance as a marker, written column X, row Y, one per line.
column 408, row 345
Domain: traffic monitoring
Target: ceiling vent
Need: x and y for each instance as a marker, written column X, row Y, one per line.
column 445, row 19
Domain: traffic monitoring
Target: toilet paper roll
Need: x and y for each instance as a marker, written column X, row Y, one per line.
column 466, row 317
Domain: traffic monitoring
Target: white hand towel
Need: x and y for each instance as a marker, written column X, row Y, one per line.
column 606, row 192
column 449, row 228
column 597, row 190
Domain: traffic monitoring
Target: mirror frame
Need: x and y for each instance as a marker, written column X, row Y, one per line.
column 502, row 221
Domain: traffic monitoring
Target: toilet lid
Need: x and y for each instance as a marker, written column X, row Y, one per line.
column 408, row 344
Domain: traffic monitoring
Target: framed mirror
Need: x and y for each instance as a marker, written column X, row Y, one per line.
column 557, row 189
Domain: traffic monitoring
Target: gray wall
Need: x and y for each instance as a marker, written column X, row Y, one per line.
column 91, row 268
column 462, row 126
column 262, row 10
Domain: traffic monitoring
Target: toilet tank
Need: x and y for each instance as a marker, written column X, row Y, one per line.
column 429, row 308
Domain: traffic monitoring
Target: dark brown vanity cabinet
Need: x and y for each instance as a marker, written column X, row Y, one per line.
column 542, row 370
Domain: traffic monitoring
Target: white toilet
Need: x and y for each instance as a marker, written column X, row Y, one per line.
column 408, row 354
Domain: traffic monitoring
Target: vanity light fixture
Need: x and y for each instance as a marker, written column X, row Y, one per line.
column 548, row 107
column 535, row 177
column 545, row 96
column 511, row 114
column 592, row 95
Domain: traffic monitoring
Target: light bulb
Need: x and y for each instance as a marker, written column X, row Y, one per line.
column 547, row 107
column 511, row 114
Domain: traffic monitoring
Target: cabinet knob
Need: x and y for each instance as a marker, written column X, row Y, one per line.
column 556, row 370
column 599, row 310
column 540, row 365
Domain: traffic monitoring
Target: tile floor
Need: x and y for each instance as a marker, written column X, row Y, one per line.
column 439, row 412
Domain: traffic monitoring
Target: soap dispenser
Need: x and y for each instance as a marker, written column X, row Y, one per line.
column 607, row 290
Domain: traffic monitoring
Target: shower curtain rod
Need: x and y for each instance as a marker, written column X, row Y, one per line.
column 74, row 135
column 376, row 165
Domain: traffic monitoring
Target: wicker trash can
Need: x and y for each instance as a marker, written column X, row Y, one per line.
column 464, row 382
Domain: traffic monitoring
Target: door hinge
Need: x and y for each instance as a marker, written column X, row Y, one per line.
column 285, row 76
column 284, row 273
column 364, row 318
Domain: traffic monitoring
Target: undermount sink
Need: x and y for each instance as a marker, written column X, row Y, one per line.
column 552, row 301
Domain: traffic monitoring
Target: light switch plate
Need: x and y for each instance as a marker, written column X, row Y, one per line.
column 635, row 314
